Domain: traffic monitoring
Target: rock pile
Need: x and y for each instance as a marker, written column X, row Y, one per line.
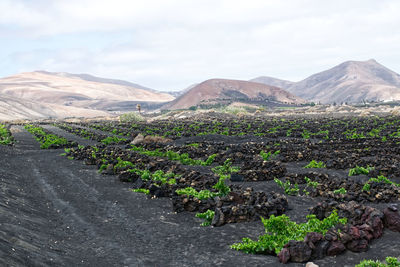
column 364, row 224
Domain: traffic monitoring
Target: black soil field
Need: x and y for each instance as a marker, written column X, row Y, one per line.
column 60, row 210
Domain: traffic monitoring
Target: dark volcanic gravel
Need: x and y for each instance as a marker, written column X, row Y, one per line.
column 59, row 212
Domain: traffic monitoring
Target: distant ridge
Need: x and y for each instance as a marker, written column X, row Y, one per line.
column 273, row 82
column 91, row 78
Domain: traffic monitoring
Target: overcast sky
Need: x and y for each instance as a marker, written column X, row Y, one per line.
column 170, row 44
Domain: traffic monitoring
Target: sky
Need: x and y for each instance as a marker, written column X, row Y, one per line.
column 169, row 44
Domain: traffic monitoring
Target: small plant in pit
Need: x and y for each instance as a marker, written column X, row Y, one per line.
column 306, row 134
column 171, row 155
column 390, row 262
column 269, row 155
column 222, row 188
column 357, row 170
column 112, row 140
column 207, row 216
column 379, row 179
column 224, row 172
column 103, row 167
column 122, row 164
column 340, row 191
column 315, row 164
column 46, row 140
column 141, row 190
column 226, row 168
column 196, row 145
column 311, row 183
column 5, row 136
column 279, row 230
column 287, row 186
column 202, row 195
column 66, row 151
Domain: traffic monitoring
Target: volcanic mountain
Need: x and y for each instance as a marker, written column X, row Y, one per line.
column 64, row 94
column 273, row 82
column 215, row 91
column 352, row 82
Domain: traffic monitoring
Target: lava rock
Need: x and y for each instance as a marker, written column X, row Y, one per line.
column 377, row 226
column 219, row 218
column 335, row 248
column 139, row 183
column 156, row 191
column 138, row 139
column 360, row 245
column 312, row 238
column 128, row 177
column 109, row 170
column 392, row 219
column 284, row 255
column 320, row 249
column 237, row 177
column 299, row 251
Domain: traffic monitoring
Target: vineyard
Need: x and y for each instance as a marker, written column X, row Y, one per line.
column 299, row 188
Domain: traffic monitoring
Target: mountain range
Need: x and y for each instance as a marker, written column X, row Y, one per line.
column 273, row 82
column 351, row 82
column 43, row 94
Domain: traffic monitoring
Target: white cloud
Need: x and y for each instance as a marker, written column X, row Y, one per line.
column 171, row 44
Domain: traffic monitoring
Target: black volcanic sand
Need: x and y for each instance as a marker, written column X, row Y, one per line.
column 59, row 212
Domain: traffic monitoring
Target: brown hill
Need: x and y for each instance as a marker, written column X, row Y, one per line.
column 273, row 82
column 81, row 95
column 216, row 90
column 352, row 82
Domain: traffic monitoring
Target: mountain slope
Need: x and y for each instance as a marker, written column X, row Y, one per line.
column 91, row 78
column 61, row 88
column 272, row 81
column 12, row 109
column 215, row 90
column 60, row 95
column 15, row 109
column 352, row 82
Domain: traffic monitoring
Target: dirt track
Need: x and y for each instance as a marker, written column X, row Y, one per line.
column 59, row 212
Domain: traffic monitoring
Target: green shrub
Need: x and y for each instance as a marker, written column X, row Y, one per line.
column 287, row 186
column 340, row 191
column 379, row 179
column 268, row 156
column 45, row 139
column 311, row 183
column 112, row 140
column 207, row 216
column 390, row 262
column 172, row 155
column 5, row 136
column 141, row 190
column 315, row 164
column 131, row 117
column 202, row 195
column 226, row 168
column 279, row 230
column 222, row 188
column 360, row 170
